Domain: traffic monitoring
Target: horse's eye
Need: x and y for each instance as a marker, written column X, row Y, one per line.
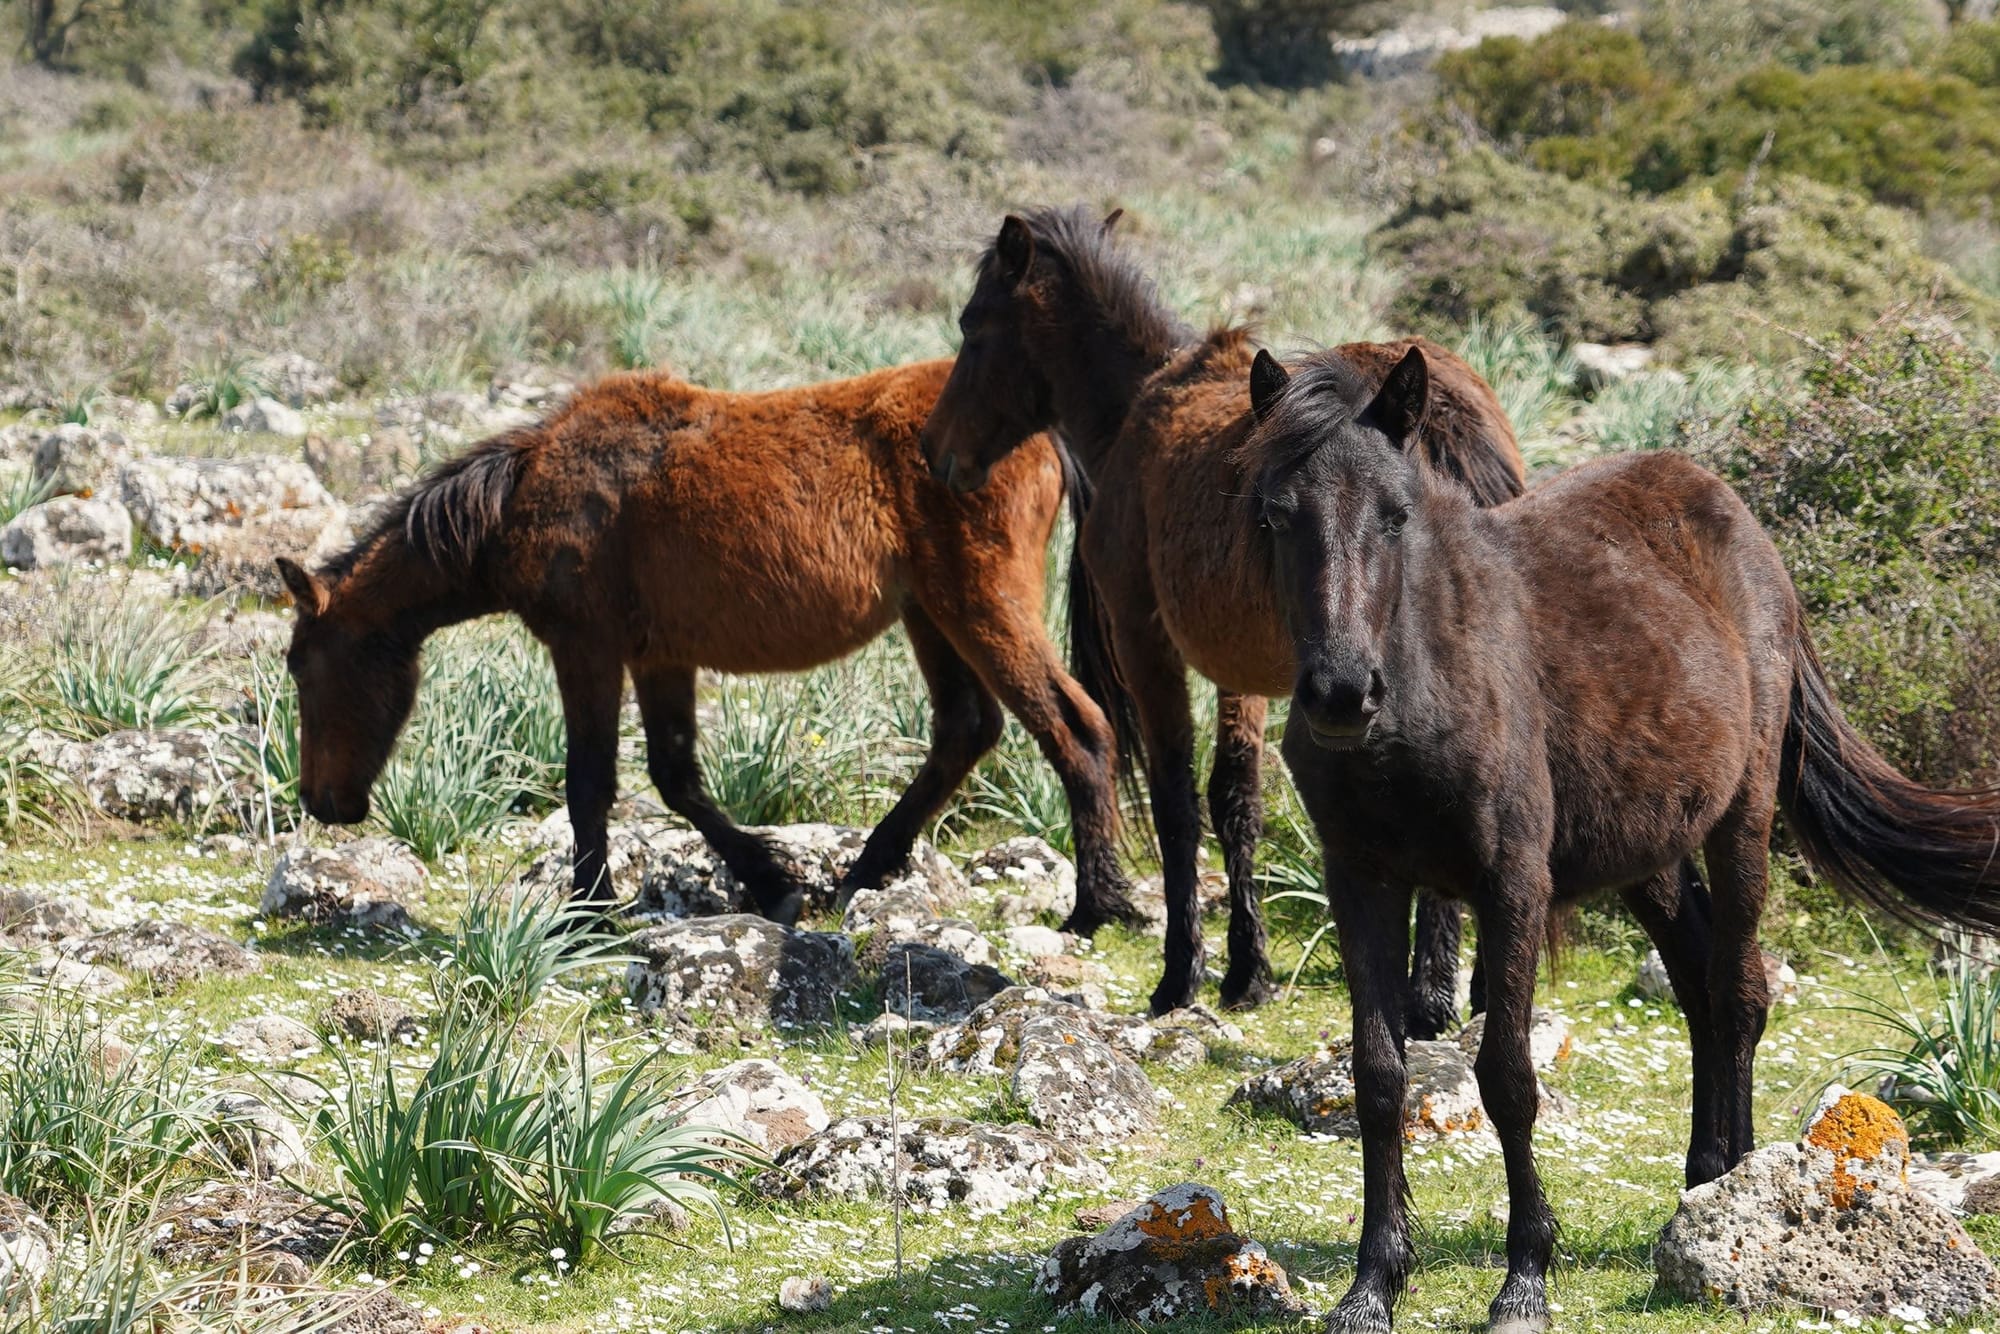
column 1277, row 518
column 1393, row 521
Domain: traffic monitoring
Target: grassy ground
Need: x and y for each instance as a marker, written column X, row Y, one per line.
column 1612, row 1161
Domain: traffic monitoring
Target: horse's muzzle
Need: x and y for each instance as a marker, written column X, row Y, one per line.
column 328, row 808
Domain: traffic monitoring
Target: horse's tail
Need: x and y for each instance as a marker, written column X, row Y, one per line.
column 1926, row 856
column 1091, row 660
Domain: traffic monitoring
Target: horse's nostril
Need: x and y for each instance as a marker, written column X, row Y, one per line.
column 1377, row 688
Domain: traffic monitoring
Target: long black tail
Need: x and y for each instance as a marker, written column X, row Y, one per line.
column 1925, row 856
column 1091, row 659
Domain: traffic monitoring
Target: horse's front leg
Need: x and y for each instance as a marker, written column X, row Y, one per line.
column 592, row 687
column 666, row 704
column 1513, row 913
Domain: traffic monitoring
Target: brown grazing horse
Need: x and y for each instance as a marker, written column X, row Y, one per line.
column 1062, row 331
column 1520, row 706
column 654, row 527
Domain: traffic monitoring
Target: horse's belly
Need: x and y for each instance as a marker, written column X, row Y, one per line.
column 733, row 612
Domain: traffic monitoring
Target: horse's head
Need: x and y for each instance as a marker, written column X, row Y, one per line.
column 1337, row 480
column 997, row 395
column 357, row 683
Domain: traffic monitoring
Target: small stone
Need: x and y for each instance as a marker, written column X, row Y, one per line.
column 684, row 878
column 1316, row 1092
column 1549, row 1040
column 1035, row 941
column 804, row 1295
column 937, row 1163
column 27, row 1252
column 1173, row 1257
column 76, row 460
column 1076, row 1085
column 367, row 1016
column 255, row 1136
column 1096, row 1217
column 184, row 503
column 1830, row 1222
column 366, row 883
column 269, row 1039
column 85, row 979
column 27, row 916
column 1028, row 880
column 266, row 416
column 1600, row 364
column 925, row 982
column 756, row 1099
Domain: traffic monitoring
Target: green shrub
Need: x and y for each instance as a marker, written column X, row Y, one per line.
column 1880, row 482
column 1576, row 82
column 1282, row 43
column 1702, row 40
column 1972, row 52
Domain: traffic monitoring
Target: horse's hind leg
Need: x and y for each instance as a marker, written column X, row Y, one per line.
column 592, row 688
column 1673, row 907
column 1236, row 809
column 1513, row 912
column 965, row 722
column 666, row 703
column 1433, row 997
column 1738, row 851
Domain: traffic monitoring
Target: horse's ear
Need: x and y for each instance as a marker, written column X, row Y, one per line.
column 1267, row 381
column 1111, row 218
column 1016, row 248
column 1399, row 405
column 307, row 589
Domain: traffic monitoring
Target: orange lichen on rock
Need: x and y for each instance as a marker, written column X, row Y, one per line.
column 1200, row 1219
column 1858, row 1128
column 1248, row 1269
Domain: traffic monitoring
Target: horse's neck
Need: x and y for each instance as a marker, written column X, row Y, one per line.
column 392, row 587
column 1104, row 358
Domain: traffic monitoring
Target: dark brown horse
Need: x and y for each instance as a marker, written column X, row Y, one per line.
column 654, row 527
column 1063, row 331
column 1571, row 693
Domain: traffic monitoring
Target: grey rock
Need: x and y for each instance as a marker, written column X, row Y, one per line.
column 937, row 1162
column 269, row 1039
column 27, row 1253
column 908, row 1035
column 922, row 981
column 756, row 1099
column 1549, row 1039
column 1036, row 941
column 172, row 775
column 1957, row 1181
column 1078, row 1086
column 255, row 1136
column 242, row 558
column 900, row 911
column 187, row 503
column 804, row 1295
column 262, row 1223
column 267, row 416
column 1027, row 879
column 739, row 970
column 1316, row 1092
column 989, row 1041
column 295, row 380
column 76, row 977
column 30, row 917
column 1415, row 44
column 1653, row 984
column 1600, row 364
column 367, row 883
column 1829, row 1222
column 632, row 846
column 1175, row 1256
column 74, row 460
column 168, row 953
column 684, row 878
column 68, row 530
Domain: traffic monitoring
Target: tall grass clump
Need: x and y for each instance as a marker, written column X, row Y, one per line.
column 23, row 490
column 34, row 794
column 123, row 662
column 512, row 942
column 486, row 742
column 1940, row 1063
column 78, row 1124
column 1663, row 410
column 1533, row 377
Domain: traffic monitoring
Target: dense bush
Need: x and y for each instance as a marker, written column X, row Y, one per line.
column 1880, row 481
column 1701, row 39
column 1696, row 272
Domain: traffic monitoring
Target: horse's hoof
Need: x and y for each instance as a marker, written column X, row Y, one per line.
column 1169, row 996
column 1247, row 993
column 786, row 909
column 1359, row 1313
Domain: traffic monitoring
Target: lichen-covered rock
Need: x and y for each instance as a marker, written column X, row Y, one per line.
column 900, row 911
column 803, row 1294
column 242, row 559
column 1173, row 1257
column 76, row 460
column 265, row 416
column 184, row 503
column 937, row 1162
column 1829, row 1222
column 989, row 1041
column 255, row 1221
column 1076, row 1085
column 1549, row 1039
column 1958, row 1181
column 740, row 970
column 630, row 847
column 922, row 981
column 1316, row 1092
column 368, row 1016
column 756, row 1099
column 28, row 917
column 75, row 977
column 684, row 878
column 68, row 530
column 27, row 1252
column 168, row 953
column 255, row 1136
column 268, row 1039
column 366, row 883
column 177, row 775
column 1028, row 879
column 1036, row 941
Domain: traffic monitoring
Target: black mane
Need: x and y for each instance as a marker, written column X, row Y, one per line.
column 447, row 517
column 1077, row 239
